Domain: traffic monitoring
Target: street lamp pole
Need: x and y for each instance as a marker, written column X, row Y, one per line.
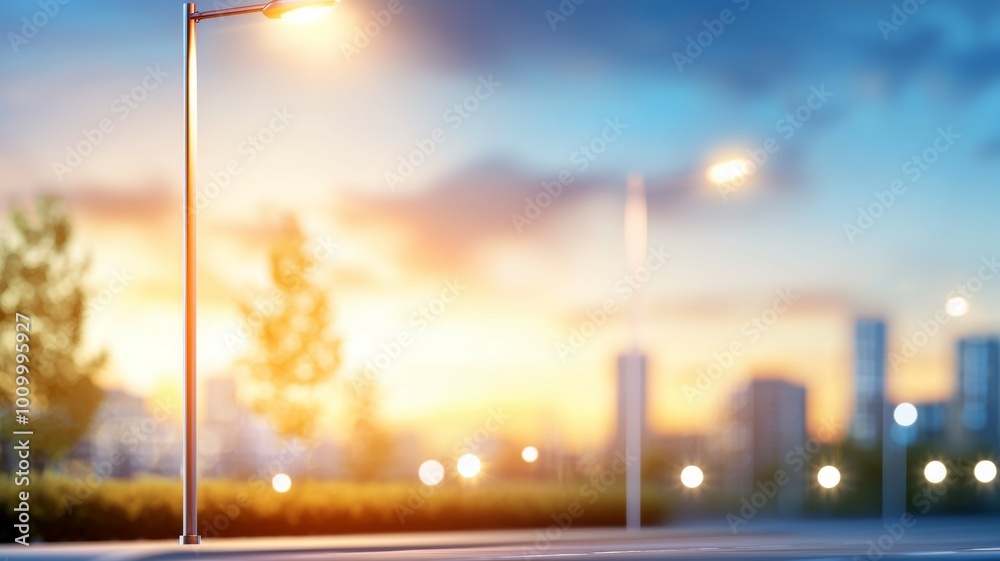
column 276, row 9
column 190, row 535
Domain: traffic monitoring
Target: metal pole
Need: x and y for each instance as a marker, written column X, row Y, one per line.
column 633, row 439
column 190, row 535
column 635, row 422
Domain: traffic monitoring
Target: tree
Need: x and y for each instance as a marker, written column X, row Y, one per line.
column 40, row 279
column 293, row 352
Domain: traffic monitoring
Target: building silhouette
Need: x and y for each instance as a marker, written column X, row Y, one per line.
column 766, row 428
column 869, row 383
column 130, row 436
column 933, row 421
column 234, row 441
column 977, row 395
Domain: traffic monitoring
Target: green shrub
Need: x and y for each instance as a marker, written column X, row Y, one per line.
column 72, row 510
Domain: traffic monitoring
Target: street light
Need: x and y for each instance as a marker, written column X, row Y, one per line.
column 985, row 471
column 281, row 483
column 431, row 473
column 828, row 477
column 529, row 454
column 468, row 466
column 935, row 472
column 905, row 414
column 692, row 477
column 285, row 9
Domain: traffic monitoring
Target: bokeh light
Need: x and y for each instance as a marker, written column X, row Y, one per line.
column 985, row 471
column 431, row 472
column 957, row 306
column 468, row 466
column 730, row 172
column 828, row 477
column 692, row 476
column 529, row 454
column 905, row 414
column 935, row 472
column 281, row 483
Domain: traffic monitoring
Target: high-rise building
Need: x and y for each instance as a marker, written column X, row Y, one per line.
column 622, row 379
column 978, row 392
column 932, row 423
column 766, row 428
column 869, row 382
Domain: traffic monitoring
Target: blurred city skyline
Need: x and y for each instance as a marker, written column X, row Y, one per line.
column 311, row 121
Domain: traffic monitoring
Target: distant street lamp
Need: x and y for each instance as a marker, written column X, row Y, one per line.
column 985, row 471
column 828, row 477
column 529, row 454
column 293, row 10
column 905, row 414
column 957, row 306
column 281, row 483
column 692, row 477
column 431, row 473
column 935, row 472
column 469, row 466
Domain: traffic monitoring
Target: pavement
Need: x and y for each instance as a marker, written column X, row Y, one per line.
column 955, row 539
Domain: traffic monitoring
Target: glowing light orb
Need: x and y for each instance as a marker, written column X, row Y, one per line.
column 957, row 306
column 905, row 414
column 935, row 472
column 529, row 454
column 828, row 477
column 281, row 483
column 730, row 172
column 985, row 471
column 468, row 466
column 431, row 473
column 692, row 477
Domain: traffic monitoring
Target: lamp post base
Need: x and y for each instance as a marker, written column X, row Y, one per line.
column 190, row 540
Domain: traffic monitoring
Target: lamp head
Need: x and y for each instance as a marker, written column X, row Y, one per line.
column 298, row 10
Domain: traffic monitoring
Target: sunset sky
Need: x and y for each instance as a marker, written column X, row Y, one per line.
column 333, row 112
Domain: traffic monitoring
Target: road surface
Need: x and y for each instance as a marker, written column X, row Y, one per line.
column 926, row 539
